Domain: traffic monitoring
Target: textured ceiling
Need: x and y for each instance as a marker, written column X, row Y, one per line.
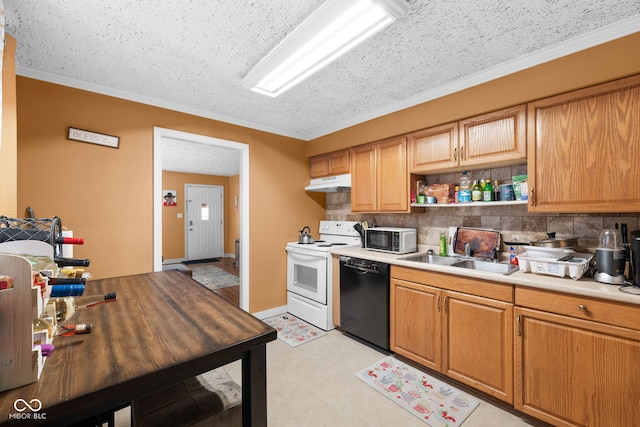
column 191, row 55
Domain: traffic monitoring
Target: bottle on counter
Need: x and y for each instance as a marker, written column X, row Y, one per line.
column 464, row 192
column 476, row 191
column 487, row 192
column 443, row 244
column 496, row 191
column 65, row 308
column 513, row 259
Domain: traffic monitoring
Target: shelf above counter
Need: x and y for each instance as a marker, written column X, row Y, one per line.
column 470, row 204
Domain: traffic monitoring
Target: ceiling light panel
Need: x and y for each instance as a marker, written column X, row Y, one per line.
column 333, row 29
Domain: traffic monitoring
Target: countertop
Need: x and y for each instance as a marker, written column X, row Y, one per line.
column 584, row 286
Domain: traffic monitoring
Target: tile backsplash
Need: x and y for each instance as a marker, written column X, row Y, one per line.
column 513, row 221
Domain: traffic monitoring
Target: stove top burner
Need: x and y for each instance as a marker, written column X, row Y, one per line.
column 328, row 245
column 312, row 243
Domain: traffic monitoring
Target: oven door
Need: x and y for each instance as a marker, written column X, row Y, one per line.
column 307, row 273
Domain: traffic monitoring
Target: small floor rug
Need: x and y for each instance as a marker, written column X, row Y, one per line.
column 430, row 400
column 294, row 331
column 213, row 277
column 200, row 261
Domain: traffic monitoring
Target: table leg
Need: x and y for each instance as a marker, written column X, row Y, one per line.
column 254, row 387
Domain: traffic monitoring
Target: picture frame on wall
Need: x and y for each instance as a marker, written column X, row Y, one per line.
column 169, row 198
column 87, row 136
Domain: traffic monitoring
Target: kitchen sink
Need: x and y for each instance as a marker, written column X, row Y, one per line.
column 432, row 259
column 470, row 264
column 488, row 266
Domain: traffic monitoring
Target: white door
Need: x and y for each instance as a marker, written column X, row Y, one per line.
column 205, row 221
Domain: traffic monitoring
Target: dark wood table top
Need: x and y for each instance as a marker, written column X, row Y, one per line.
column 164, row 328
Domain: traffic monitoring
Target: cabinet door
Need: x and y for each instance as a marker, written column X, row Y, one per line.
column 338, row 162
column 584, row 150
column 335, row 163
column 363, row 179
column 573, row 372
column 497, row 137
column 393, row 187
column 477, row 342
column 415, row 322
column 319, row 166
column 434, row 149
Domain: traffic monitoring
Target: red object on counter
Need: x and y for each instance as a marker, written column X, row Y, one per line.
column 70, row 240
column 6, row 282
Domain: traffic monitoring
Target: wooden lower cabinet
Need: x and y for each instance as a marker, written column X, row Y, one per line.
column 467, row 337
column 576, row 372
column 416, row 322
column 477, row 343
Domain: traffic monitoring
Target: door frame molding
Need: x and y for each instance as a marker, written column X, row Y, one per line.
column 186, row 216
column 160, row 133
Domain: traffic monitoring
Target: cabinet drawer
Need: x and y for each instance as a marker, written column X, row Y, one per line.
column 581, row 307
column 451, row 282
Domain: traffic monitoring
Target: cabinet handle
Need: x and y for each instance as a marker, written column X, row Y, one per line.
column 583, row 308
column 455, row 154
column 462, row 153
column 438, row 303
column 518, row 329
column 445, row 305
column 532, row 196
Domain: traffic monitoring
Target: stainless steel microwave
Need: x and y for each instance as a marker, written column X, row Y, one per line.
column 391, row 239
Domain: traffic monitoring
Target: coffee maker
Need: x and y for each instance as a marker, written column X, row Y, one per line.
column 611, row 258
column 634, row 265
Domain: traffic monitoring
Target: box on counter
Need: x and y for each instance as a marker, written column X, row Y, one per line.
column 521, row 187
column 445, row 193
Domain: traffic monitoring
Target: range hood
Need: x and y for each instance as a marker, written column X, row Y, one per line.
column 330, row 184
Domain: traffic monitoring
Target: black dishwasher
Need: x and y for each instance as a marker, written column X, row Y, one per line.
column 364, row 300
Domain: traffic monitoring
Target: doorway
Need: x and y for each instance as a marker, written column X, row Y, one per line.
column 162, row 134
column 204, row 226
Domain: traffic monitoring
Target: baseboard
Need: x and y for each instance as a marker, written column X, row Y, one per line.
column 173, row 261
column 271, row 312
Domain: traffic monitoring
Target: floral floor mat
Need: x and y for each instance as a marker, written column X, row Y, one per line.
column 294, row 331
column 430, row 400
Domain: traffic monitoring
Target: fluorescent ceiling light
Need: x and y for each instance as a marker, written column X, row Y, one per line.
column 336, row 27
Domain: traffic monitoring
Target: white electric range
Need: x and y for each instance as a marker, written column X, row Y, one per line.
column 310, row 273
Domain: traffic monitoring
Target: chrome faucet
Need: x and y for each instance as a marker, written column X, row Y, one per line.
column 467, row 249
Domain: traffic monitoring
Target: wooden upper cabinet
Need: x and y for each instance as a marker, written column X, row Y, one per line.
column 379, row 177
column 364, row 178
column 584, row 150
column 497, row 138
column 434, row 148
column 335, row 163
column 393, row 187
